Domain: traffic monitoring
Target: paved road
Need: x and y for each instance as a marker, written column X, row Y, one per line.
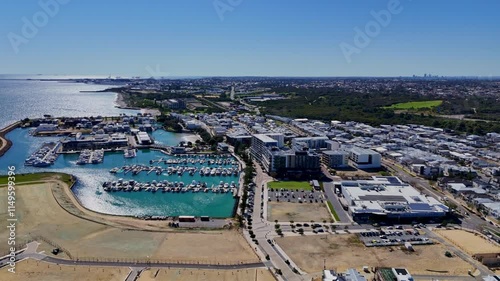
column 53, row 260
column 332, row 197
column 264, row 230
column 134, row 273
column 30, row 252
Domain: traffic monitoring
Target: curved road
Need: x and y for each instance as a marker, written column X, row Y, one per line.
column 31, row 253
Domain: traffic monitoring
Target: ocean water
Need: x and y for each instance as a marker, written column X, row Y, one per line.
column 31, row 98
column 65, row 99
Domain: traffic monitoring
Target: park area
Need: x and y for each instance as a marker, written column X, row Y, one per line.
column 40, row 271
column 40, row 217
column 345, row 251
column 415, row 105
column 255, row 274
column 290, row 185
column 299, row 212
column 472, row 243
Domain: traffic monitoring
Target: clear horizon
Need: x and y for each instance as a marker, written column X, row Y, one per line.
column 238, row 38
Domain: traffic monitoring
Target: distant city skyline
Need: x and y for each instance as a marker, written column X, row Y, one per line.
column 380, row 38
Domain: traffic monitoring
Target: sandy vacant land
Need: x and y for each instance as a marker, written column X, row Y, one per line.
column 258, row 274
column 39, row 215
column 345, row 251
column 469, row 242
column 33, row 270
column 299, row 212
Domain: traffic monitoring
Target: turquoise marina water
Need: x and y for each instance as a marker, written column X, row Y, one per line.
column 90, row 177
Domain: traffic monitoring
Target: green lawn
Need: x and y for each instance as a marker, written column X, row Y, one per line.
column 38, row 177
column 301, row 185
column 332, row 210
column 416, row 104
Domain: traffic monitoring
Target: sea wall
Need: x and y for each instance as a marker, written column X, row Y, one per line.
column 6, row 143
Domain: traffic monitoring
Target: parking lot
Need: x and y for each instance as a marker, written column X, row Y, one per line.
column 294, row 196
column 393, row 236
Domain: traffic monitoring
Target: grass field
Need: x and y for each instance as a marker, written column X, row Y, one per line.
column 332, row 210
column 346, row 251
column 300, row 185
column 415, row 105
column 21, row 178
column 305, row 212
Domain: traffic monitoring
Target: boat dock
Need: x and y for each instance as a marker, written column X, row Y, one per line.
column 45, row 156
column 130, row 153
column 166, row 186
column 178, row 170
column 90, row 157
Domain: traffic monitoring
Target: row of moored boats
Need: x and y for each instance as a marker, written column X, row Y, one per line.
column 176, row 161
column 177, row 170
column 45, row 156
column 166, row 186
column 90, row 157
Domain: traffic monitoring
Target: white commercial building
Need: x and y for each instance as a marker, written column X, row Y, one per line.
column 365, row 158
column 388, row 198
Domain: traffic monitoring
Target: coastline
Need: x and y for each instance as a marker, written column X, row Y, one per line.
column 5, row 144
column 120, row 101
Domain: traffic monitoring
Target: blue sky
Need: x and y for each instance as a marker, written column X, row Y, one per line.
column 250, row 37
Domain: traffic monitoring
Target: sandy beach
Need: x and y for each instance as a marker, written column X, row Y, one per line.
column 120, row 102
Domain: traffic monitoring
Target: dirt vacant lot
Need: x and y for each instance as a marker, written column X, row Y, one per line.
column 259, row 274
column 299, row 212
column 39, row 215
column 28, row 270
column 469, row 242
column 346, row 251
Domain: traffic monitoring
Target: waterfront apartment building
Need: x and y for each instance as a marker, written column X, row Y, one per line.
column 265, row 148
column 260, row 149
column 335, row 158
column 365, row 158
column 311, row 142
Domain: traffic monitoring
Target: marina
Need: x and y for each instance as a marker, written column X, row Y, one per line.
column 89, row 190
column 90, row 157
column 203, row 171
column 44, row 156
column 166, row 186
